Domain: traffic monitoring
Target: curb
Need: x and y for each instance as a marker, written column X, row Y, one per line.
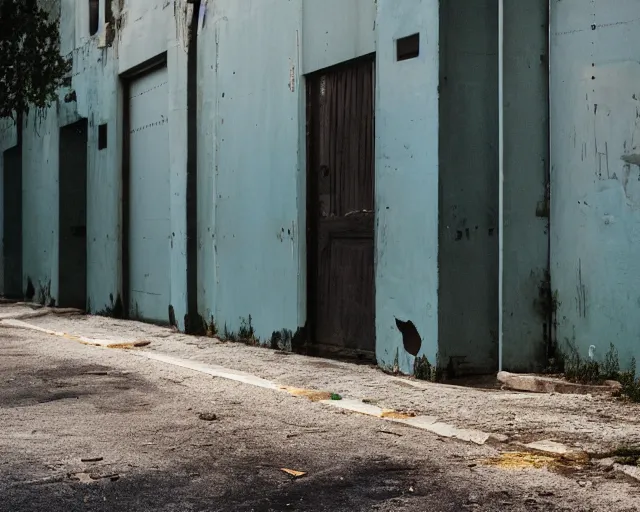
column 427, row 423
column 14, row 322
column 539, row 384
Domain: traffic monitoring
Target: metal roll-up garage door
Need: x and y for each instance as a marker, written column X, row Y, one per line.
column 149, row 210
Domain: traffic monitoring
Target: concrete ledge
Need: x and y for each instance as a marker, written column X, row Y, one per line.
column 538, row 384
column 632, row 471
column 558, row 449
column 13, row 322
column 427, row 423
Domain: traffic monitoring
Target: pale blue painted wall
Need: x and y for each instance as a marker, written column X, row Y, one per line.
column 335, row 31
column 595, row 186
column 256, row 164
column 252, row 195
column 251, row 143
column 149, row 28
column 406, row 181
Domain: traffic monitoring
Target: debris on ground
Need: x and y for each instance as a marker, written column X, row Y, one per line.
column 397, row 415
column 522, row 460
column 294, row 473
column 82, row 477
column 313, row 395
column 92, row 459
column 98, row 476
column 558, row 449
column 207, row 416
column 389, row 432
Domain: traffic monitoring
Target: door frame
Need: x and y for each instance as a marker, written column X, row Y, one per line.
column 87, row 125
column 18, row 149
column 126, row 79
column 312, row 230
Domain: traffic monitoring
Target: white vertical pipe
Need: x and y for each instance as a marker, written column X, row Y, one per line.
column 500, row 176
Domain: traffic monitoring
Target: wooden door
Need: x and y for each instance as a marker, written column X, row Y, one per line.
column 340, row 145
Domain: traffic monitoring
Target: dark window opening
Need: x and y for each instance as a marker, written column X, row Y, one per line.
column 102, row 136
column 108, row 12
column 408, row 47
column 94, row 16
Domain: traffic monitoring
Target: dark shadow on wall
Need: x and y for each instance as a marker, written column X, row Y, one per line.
column 468, row 178
column 72, row 246
column 12, row 222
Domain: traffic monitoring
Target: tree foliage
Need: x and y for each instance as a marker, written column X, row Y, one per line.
column 31, row 67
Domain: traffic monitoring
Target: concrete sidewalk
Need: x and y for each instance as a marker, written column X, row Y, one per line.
column 595, row 424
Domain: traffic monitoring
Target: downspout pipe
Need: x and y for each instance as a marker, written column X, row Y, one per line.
column 500, row 181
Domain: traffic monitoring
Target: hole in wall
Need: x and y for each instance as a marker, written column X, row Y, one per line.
column 410, row 337
column 94, row 16
column 408, row 47
column 102, row 136
column 108, row 12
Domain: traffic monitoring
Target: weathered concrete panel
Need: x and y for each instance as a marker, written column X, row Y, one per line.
column 150, row 205
column 252, row 109
column 335, row 31
column 406, row 181
column 595, row 173
column 146, row 25
column 468, row 234
column 40, row 203
column 526, row 138
column 145, row 29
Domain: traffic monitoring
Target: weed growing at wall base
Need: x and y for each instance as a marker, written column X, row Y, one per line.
column 589, row 371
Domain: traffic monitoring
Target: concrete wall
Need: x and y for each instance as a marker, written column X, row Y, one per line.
column 146, row 29
column 335, row 31
column 526, row 312
column 406, row 181
column 249, row 168
column 251, row 151
column 468, row 239
column 595, row 173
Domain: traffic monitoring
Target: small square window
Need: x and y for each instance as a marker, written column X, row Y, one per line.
column 102, row 136
column 94, row 16
column 408, row 47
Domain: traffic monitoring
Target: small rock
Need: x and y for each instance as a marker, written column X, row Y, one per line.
column 614, row 384
column 207, row 416
column 545, row 494
column 472, row 465
column 583, row 483
column 473, row 498
column 91, row 459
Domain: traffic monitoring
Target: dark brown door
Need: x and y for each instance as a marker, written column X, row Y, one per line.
column 340, row 149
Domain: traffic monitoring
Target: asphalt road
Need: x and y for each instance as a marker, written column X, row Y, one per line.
column 83, row 428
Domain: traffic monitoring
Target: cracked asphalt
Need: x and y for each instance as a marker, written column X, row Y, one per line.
column 85, row 428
